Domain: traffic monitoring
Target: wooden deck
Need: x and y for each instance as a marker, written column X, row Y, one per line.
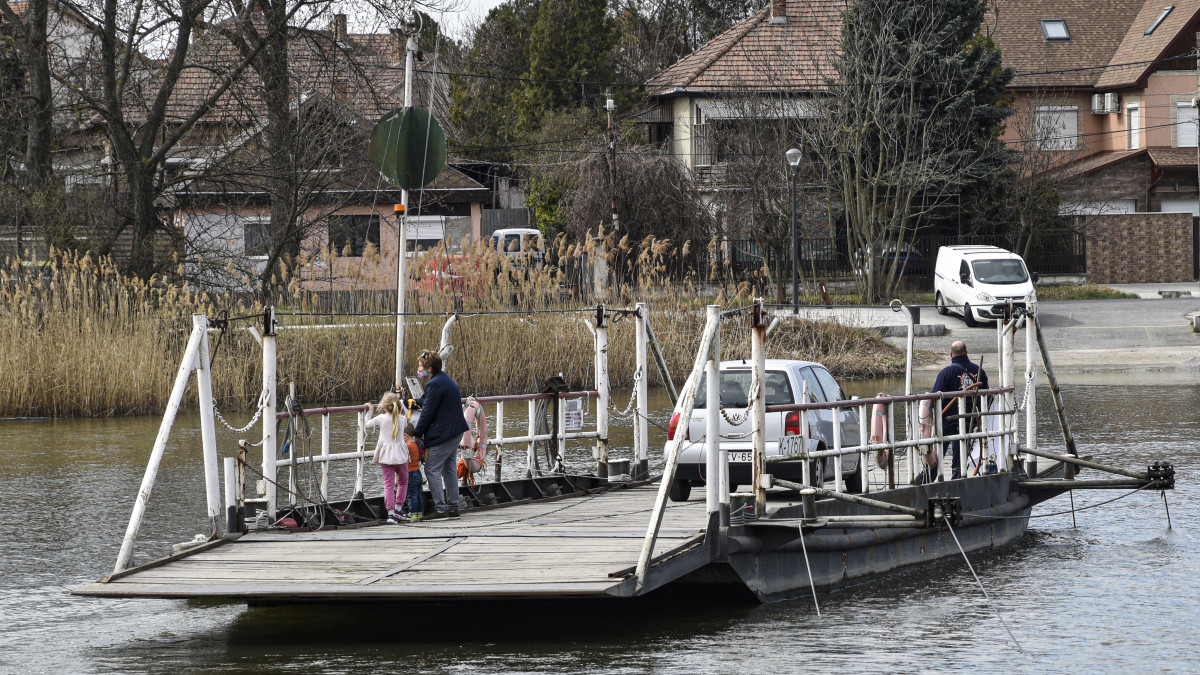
column 572, row 547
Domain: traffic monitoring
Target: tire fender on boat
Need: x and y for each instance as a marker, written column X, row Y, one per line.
column 473, row 445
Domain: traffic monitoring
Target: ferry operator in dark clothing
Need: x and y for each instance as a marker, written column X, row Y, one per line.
column 441, row 427
column 959, row 375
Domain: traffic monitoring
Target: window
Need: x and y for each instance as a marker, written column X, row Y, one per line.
column 830, row 385
column 353, row 232
column 1159, row 20
column 1055, row 30
column 256, row 237
column 814, row 387
column 736, row 387
column 1133, row 119
column 1185, row 125
column 1056, row 127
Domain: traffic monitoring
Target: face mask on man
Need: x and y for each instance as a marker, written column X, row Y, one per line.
column 422, row 373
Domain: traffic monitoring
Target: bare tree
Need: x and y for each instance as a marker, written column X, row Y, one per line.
column 910, row 119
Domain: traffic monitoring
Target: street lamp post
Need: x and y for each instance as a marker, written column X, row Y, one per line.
column 793, row 160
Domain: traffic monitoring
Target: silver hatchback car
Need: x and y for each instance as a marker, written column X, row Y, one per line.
column 784, row 381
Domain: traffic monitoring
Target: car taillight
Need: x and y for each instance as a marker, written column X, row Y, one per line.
column 791, row 423
column 687, row 433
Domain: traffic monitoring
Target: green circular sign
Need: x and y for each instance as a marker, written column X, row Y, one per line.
column 409, row 147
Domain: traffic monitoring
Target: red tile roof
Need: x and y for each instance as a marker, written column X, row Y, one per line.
column 758, row 55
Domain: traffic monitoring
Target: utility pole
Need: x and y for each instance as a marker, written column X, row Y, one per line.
column 412, row 28
column 610, row 106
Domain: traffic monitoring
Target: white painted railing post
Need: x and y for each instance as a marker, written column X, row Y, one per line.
column 806, row 469
column 269, row 422
column 865, row 420
column 641, row 425
column 160, row 445
column 325, row 455
column 231, row 497
column 208, row 427
column 1031, row 378
column 712, row 418
column 838, row 484
column 602, row 385
column 758, row 411
column 531, row 432
column 1007, row 377
column 362, row 448
column 684, row 407
column 499, row 436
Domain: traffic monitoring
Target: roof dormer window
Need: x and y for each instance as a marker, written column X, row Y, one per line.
column 1055, row 30
column 1161, row 17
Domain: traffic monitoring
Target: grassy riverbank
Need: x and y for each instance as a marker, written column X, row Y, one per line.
column 78, row 339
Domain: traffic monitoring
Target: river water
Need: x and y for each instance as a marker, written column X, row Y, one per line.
column 1118, row 593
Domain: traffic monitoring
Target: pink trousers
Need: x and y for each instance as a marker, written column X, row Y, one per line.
column 395, row 484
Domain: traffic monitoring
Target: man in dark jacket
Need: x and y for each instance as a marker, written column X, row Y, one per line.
column 441, row 427
column 960, row 375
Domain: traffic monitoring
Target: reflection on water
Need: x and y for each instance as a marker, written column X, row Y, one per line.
column 1108, row 596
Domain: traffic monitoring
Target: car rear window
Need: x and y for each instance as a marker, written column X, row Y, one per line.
column 735, row 389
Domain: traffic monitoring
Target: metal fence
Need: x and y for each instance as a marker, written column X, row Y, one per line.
column 1054, row 253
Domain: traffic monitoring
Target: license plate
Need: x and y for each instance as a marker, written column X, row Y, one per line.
column 742, row 456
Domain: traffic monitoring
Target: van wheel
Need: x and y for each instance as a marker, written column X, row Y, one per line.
column 940, row 302
column 680, row 491
column 969, row 316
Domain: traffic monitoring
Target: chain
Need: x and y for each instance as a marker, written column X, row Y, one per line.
column 737, row 420
column 262, row 405
column 623, row 414
column 1028, row 390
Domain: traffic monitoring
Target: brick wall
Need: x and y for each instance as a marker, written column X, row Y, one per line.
column 1139, row 248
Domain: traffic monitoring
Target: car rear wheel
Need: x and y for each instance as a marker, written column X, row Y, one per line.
column 856, row 483
column 680, row 491
column 816, row 472
column 940, row 302
column 969, row 316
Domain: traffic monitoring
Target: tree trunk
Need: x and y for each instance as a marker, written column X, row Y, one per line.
column 40, row 121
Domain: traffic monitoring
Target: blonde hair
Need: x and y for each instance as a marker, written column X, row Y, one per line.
column 390, row 403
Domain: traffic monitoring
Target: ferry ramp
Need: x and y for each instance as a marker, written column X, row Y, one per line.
column 585, row 546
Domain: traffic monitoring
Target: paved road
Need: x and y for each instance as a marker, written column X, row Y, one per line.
column 1093, row 336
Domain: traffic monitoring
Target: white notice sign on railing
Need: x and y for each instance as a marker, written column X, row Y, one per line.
column 573, row 411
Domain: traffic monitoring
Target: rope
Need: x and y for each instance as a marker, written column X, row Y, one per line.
column 262, row 405
column 980, row 583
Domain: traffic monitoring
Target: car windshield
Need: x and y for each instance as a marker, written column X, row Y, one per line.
column 1002, row 271
column 735, row 389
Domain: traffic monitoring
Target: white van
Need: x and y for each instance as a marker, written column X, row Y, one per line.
column 977, row 280
column 520, row 244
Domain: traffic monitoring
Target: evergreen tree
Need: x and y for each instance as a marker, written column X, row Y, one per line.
column 484, row 100
column 570, row 56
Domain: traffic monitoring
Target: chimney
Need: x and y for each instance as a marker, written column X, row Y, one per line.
column 779, row 11
column 339, row 27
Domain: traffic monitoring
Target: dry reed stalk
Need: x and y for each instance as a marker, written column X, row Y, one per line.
column 78, row 339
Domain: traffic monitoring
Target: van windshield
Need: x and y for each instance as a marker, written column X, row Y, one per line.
column 1002, row 271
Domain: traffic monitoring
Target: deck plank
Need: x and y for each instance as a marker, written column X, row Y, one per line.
column 561, row 548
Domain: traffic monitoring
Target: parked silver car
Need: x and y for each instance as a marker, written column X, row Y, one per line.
column 784, row 381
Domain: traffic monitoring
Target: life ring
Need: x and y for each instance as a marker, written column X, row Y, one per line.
column 473, row 445
column 925, row 419
column 879, row 431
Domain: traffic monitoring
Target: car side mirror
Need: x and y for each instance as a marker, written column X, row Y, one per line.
column 1034, row 276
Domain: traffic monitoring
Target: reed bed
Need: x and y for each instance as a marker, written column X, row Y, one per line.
column 79, row 339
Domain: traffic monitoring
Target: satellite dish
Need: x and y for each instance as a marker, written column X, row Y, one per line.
column 409, row 147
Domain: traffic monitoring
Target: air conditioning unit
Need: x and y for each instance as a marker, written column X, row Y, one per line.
column 1097, row 104
column 1112, row 103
